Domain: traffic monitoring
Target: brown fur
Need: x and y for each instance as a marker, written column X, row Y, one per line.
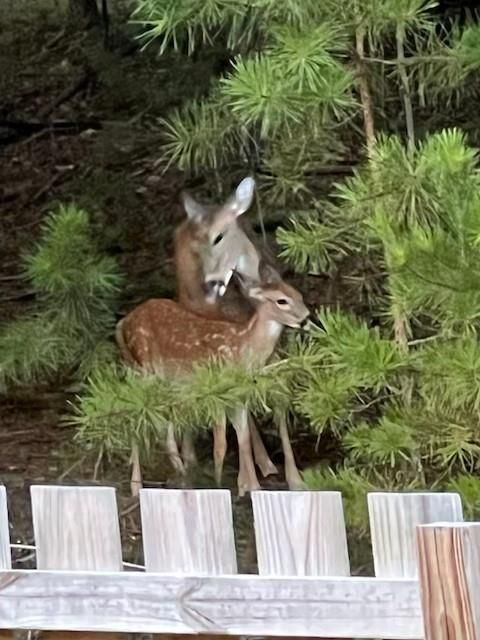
column 161, row 333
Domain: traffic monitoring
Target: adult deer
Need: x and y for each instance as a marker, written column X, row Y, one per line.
column 208, row 246
column 161, row 334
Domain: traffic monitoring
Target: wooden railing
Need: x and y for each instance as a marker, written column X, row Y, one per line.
column 190, row 583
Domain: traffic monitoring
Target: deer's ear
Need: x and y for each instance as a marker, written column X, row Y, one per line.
column 244, row 195
column 242, row 199
column 246, row 281
column 193, row 209
column 256, row 293
column 268, row 273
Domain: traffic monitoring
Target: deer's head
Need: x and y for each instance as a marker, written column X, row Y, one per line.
column 220, row 244
column 279, row 301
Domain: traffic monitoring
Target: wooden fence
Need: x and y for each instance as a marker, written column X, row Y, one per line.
column 190, row 584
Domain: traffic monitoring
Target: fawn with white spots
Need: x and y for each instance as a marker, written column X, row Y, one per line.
column 161, row 336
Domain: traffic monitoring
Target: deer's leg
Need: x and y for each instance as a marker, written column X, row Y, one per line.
column 136, row 477
column 219, row 447
column 173, row 452
column 292, row 474
column 260, row 454
column 247, row 477
column 189, row 456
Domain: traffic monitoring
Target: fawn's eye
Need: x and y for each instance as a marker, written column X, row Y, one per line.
column 218, row 239
column 282, row 301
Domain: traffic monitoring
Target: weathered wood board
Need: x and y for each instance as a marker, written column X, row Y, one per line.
column 234, row 605
column 5, row 556
column 188, row 531
column 76, row 528
column 393, row 520
column 300, row 533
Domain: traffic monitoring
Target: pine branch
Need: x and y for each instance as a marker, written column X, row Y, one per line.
column 77, row 289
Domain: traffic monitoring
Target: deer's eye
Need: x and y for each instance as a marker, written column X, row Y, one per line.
column 282, row 301
column 218, row 239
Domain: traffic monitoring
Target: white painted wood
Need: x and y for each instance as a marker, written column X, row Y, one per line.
column 235, row 605
column 5, row 556
column 393, row 518
column 76, row 528
column 188, row 531
column 300, row 533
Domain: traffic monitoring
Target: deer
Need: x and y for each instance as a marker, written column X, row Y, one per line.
column 208, row 246
column 162, row 336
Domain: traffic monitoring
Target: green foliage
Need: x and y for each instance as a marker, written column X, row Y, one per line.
column 146, row 404
column 388, row 443
column 115, row 409
column 179, row 21
column 294, row 80
column 76, row 289
column 326, row 402
column 466, row 48
column 468, row 487
column 347, row 345
column 259, row 94
column 416, row 188
column 288, row 74
column 30, row 350
column 450, row 373
column 69, row 273
column 293, row 71
column 315, row 246
column 199, row 134
column 241, row 23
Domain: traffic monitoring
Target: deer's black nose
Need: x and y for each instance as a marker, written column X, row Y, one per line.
column 304, row 322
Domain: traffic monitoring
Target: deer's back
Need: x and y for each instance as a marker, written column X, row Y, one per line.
column 161, row 333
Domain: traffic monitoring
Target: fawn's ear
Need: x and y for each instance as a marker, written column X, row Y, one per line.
column 246, row 282
column 268, row 274
column 257, row 293
column 193, row 209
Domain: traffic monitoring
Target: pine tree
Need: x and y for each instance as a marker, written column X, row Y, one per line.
column 76, row 288
column 395, row 385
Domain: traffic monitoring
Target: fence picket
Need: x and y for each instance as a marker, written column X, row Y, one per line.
column 300, row 533
column 5, row 556
column 76, row 528
column 188, row 531
column 449, row 562
column 393, row 519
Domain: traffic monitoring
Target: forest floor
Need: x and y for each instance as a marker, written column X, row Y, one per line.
column 80, row 123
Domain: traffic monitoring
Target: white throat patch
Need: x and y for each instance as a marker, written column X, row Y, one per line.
column 273, row 329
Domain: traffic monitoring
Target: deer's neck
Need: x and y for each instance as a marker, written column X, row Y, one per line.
column 261, row 337
column 188, row 270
